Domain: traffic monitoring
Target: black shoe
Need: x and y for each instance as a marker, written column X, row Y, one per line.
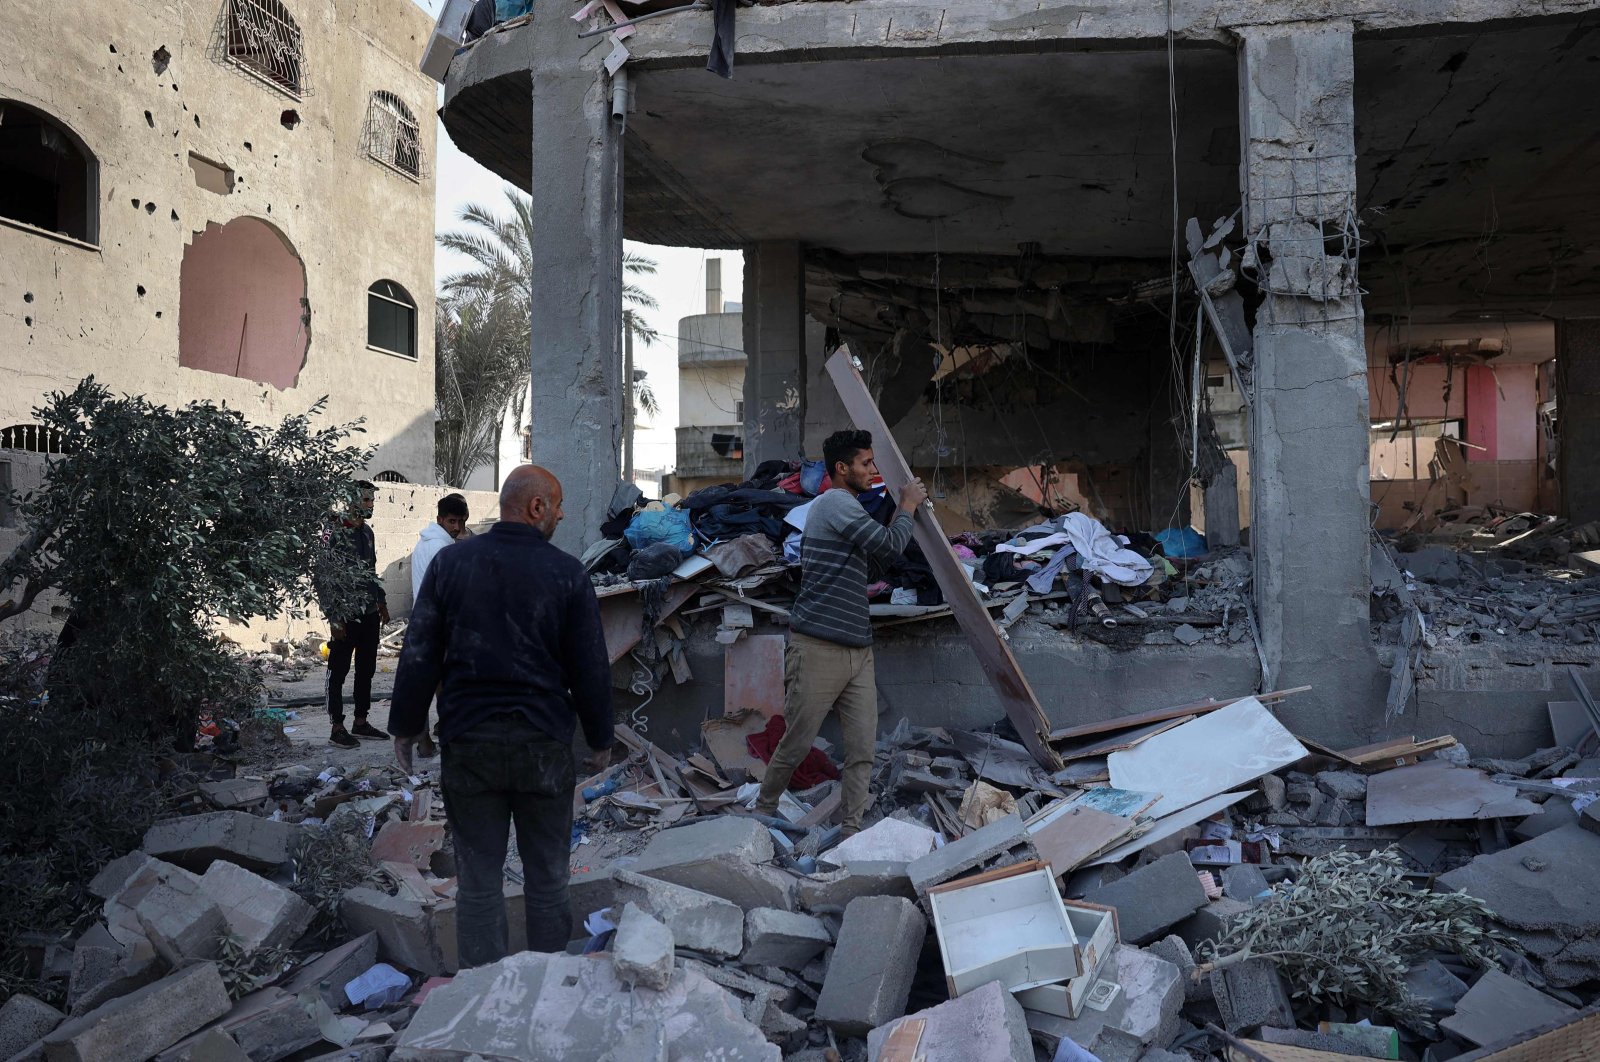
column 341, row 737
column 367, row 730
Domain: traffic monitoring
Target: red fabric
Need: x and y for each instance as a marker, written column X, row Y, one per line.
column 815, row 769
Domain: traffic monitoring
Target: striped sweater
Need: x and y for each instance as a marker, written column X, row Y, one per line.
column 840, row 539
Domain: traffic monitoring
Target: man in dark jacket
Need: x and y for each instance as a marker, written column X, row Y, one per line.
column 507, row 627
column 354, row 627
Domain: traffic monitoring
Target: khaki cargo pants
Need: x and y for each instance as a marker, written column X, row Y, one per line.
column 820, row 677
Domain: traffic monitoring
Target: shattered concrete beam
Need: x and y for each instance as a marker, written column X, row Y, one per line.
column 812, row 31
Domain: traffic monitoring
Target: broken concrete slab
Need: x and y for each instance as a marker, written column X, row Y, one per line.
column 23, row 1020
column 408, row 842
column 1437, row 791
column 267, row 1024
column 837, row 888
column 180, row 920
column 329, row 973
column 1210, row 922
column 1153, row 898
column 1250, row 994
column 406, row 932
column 1543, row 891
column 698, row 921
column 888, row 840
column 1434, row 986
column 532, row 1007
column 1243, row 882
column 144, row 1022
column 869, row 978
column 1557, row 813
column 784, row 939
column 969, row 853
column 1343, row 785
column 231, row 794
column 985, row 1025
column 260, row 913
column 641, row 950
column 196, row 841
column 115, row 875
column 759, row 998
column 726, row 856
column 1497, row 1007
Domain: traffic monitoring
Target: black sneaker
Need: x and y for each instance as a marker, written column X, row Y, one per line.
column 341, row 737
column 367, row 730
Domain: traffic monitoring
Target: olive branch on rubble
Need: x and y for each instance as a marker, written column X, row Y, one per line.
column 1349, row 928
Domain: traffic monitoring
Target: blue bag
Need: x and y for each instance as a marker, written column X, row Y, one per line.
column 661, row 525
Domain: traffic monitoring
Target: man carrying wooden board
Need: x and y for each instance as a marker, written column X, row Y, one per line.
column 828, row 665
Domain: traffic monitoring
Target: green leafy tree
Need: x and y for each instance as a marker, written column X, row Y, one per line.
column 158, row 523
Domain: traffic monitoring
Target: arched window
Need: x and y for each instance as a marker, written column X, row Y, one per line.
column 48, row 177
column 31, row 438
column 389, row 476
column 392, row 135
column 391, row 319
column 262, row 38
column 242, row 308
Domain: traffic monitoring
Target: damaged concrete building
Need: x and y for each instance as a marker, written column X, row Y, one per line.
column 230, row 200
column 989, row 205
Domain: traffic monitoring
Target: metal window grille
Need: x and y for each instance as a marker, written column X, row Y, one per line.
column 32, row 438
column 262, row 39
column 392, row 136
column 389, row 477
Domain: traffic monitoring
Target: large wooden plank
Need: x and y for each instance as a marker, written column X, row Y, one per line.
column 622, row 617
column 1128, row 722
column 994, row 654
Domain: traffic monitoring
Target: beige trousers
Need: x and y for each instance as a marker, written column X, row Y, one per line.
column 820, row 677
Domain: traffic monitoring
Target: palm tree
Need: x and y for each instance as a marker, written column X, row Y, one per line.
column 501, row 252
column 481, row 374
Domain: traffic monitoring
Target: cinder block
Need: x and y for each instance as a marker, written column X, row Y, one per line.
column 405, row 929
column 782, row 938
column 1174, row 950
column 181, row 921
column 1153, row 898
column 699, row 921
column 408, row 842
column 985, row 1025
column 838, row 888
column 144, row 1022
column 1250, row 994
column 874, row 962
column 261, row 913
column 1210, row 922
column 969, row 853
column 726, row 856
column 234, row 793
column 1243, row 882
column 642, row 950
column 196, row 841
column 117, row 873
column 23, row 1020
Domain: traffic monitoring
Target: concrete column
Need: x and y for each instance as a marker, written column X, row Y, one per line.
column 1310, row 418
column 1578, row 423
column 774, row 346
column 577, row 276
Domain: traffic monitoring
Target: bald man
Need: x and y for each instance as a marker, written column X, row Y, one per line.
column 507, row 628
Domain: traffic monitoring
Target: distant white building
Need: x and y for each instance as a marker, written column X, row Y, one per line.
column 711, row 364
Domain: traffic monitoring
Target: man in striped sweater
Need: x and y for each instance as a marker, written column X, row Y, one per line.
column 828, row 664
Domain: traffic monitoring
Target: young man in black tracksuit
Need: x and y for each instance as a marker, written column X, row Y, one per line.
column 354, row 629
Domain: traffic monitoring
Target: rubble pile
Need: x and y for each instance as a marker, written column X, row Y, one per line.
column 1196, row 882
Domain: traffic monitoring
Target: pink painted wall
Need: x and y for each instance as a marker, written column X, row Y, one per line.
column 1483, row 413
column 1518, row 436
column 240, row 307
column 1499, row 403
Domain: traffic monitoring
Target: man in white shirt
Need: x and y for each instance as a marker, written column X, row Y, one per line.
column 451, row 522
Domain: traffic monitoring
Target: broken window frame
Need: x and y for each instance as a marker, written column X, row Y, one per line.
column 392, row 136
column 89, row 237
column 405, row 301
column 261, row 39
column 1390, row 428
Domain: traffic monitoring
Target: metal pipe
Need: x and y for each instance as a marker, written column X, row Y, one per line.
column 643, row 18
